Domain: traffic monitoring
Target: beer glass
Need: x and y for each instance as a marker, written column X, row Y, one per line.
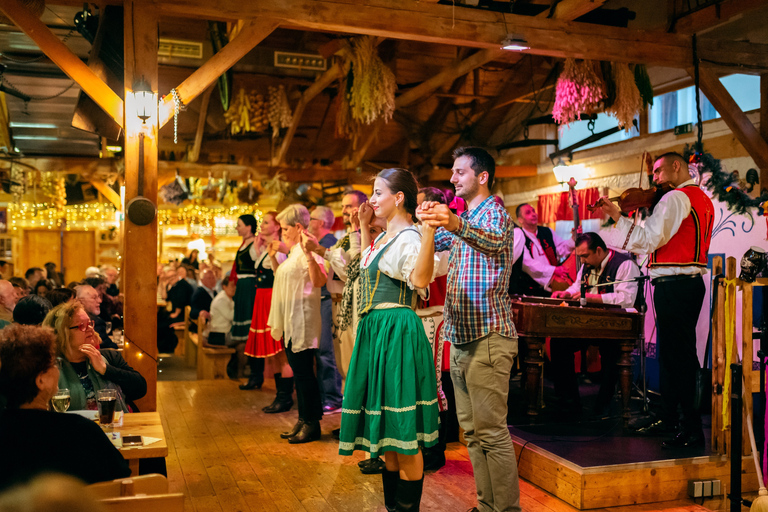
column 106, row 400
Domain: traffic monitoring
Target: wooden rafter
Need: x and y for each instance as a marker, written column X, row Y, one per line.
column 251, row 35
column 572, row 9
column 326, row 79
column 715, row 15
column 194, row 154
column 105, row 190
column 737, row 121
column 63, row 57
column 421, row 21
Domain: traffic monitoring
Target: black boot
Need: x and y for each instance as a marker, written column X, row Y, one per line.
column 232, row 367
column 310, row 431
column 390, row 479
column 409, row 495
column 284, row 399
column 256, row 378
column 278, row 378
column 293, row 431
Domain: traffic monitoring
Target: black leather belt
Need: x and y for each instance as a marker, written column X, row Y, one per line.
column 669, row 279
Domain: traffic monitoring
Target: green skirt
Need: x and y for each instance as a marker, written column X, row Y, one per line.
column 245, row 297
column 390, row 399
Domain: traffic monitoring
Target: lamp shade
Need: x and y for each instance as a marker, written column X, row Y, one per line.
column 145, row 101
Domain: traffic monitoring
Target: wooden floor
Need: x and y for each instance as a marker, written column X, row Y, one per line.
column 226, row 455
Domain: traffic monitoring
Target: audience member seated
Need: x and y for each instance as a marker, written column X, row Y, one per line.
column 110, row 274
column 84, row 368
column 20, row 286
column 43, row 288
column 60, row 296
column 8, row 299
column 178, row 297
column 31, row 310
column 33, row 275
column 92, row 272
column 192, row 259
column 111, row 308
column 90, row 298
column 56, row 277
column 6, row 270
column 34, row 440
column 201, row 299
column 190, row 275
column 222, row 314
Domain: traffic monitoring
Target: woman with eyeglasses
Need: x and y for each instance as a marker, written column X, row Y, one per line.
column 84, row 368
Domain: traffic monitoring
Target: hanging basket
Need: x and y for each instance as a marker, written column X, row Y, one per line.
column 36, row 7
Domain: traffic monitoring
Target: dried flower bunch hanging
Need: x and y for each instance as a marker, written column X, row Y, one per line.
column 369, row 88
column 628, row 101
column 643, row 82
column 247, row 113
column 579, row 90
column 279, row 113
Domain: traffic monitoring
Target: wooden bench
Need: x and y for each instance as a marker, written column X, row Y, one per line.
column 190, row 340
column 211, row 359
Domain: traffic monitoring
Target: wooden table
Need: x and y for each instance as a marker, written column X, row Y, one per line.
column 142, row 424
column 537, row 318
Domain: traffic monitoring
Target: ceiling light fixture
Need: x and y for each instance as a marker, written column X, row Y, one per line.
column 515, row 43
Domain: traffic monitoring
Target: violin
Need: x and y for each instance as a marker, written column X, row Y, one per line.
column 636, row 197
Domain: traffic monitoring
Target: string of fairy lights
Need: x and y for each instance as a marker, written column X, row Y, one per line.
column 199, row 219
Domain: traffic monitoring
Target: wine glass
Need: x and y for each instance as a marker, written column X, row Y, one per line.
column 61, row 400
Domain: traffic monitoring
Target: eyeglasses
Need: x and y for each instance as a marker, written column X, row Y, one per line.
column 83, row 326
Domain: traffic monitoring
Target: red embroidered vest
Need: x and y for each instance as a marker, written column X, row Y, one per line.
column 690, row 245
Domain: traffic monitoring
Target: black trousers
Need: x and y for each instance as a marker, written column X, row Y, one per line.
column 678, row 305
column 307, row 391
column 562, row 351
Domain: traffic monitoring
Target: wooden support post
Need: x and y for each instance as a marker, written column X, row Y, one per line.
column 63, row 57
column 737, row 121
column 196, row 83
column 140, row 52
column 718, row 358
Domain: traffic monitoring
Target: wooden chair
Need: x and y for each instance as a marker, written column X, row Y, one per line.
column 191, row 340
column 143, row 503
column 211, row 359
column 144, row 484
column 179, row 330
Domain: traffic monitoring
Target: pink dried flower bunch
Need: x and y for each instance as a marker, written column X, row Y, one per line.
column 628, row 100
column 579, row 90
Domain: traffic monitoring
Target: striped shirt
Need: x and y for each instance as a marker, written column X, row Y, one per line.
column 477, row 301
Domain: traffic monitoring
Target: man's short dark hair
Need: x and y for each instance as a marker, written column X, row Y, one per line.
column 592, row 240
column 673, row 155
column 520, row 207
column 433, row 194
column 31, row 310
column 31, row 271
column 94, row 281
column 19, row 282
column 481, row 161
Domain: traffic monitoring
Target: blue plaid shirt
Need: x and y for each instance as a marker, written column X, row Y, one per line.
column 477, row 302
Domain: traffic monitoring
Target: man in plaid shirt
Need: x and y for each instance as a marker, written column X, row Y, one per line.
column 478, row 323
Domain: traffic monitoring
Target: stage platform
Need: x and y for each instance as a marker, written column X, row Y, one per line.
column 589, row 461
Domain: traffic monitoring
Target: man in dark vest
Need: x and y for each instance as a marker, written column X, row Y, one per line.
column 599, row 266
column 677, row 236
column 536, row 253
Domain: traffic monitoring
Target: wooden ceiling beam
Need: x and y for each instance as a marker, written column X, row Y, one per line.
column 194, row 154
column 715, row 15
column 63, row 57
column 572, row 9
column 251, row 35
column 315, row 173
column 105, row 190
column 734, row 118
column 444, row 24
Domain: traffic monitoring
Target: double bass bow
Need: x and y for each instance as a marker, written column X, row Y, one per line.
column 572, row 263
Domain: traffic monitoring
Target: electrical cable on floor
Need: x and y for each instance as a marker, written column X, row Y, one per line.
column 521, row 453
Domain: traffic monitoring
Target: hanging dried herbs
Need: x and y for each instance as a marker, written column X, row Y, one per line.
column 579, row 90
column 643, row 82
column 369, row 85
column 628, row 102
